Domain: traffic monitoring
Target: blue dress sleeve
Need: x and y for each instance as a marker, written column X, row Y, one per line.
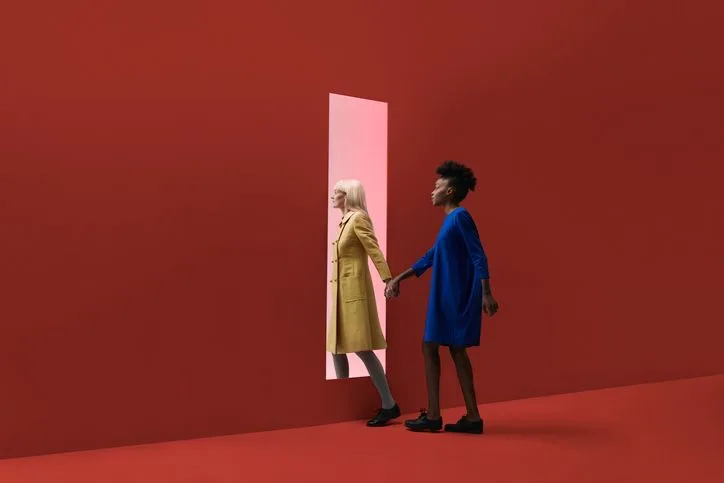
column 469, row 231
column 421, row 266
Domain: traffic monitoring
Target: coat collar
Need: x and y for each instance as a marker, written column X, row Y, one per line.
column 346, row 218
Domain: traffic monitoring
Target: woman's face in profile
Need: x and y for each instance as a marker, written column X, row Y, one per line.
column 338, row 198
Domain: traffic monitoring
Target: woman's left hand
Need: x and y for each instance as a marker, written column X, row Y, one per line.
column 490, row 305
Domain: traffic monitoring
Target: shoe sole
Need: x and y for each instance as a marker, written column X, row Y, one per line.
column 424, row 430
column 449, row 429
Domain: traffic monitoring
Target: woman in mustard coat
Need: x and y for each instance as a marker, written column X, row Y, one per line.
column 354, row 324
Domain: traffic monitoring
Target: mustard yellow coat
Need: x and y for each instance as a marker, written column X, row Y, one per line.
column 354, row 323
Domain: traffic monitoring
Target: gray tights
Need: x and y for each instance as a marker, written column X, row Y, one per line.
column 375, row 369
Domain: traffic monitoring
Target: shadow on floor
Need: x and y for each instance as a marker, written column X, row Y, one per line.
column 560, row 430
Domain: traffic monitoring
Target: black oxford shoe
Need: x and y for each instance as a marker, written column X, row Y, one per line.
column 464, row 425
column 384, row 416
column 422, row 423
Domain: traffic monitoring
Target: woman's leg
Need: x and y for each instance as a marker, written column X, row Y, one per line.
column 465, row 376
column 431, row 354
column 471, row 422
column 341, row 365
column 430, row 420
column 377, row 374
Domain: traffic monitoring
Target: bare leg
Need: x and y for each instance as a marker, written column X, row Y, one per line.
column 465, row 376
column 431, row 354
column 430, row 419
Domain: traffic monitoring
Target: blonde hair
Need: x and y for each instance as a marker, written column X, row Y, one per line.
column 355, row 195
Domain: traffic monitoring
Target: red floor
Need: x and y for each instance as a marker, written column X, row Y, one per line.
column 669, row 432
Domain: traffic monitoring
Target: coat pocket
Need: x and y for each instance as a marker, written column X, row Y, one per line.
column 351, row 289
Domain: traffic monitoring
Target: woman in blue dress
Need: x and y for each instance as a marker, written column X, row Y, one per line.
column 459, row 295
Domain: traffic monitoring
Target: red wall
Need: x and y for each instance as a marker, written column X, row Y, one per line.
column 163, row 202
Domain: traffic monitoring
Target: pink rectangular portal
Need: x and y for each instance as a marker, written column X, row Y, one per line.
column 358, row 150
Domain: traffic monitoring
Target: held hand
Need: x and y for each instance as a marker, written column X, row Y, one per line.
column 490, row 305
column 392, row 288
column 388, row 289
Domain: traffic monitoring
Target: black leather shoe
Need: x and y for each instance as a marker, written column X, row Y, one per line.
column 464, row 425
column 384, row 416
column 422, row 423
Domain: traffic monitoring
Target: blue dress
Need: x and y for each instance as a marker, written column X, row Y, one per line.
column 459, row 263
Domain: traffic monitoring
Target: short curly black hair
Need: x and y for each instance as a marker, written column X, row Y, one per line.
column 459, row 177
